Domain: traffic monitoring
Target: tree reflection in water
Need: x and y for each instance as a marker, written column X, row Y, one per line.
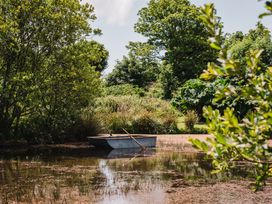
column 76, row 176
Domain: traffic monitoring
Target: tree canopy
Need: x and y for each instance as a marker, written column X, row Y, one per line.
column 239, row 44
column 47, row 68
column 139, row 68
column 174, row 27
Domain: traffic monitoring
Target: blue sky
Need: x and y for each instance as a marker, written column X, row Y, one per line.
column 116, row 18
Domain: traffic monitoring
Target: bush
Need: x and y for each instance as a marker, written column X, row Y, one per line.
column 170, row 125
column 123, row 90
column 145, row 123
column 116, row 123
column 155, row 91
column 135, row 114
column 195, row 94
column 87, row 125
column 190, row 120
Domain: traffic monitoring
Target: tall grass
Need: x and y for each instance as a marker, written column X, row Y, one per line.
column 190, row 119
column 135, row 114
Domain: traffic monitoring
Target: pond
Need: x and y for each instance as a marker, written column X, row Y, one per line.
column 89, row 175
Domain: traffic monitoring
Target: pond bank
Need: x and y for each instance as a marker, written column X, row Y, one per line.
column 179, row 142
column 230, row 192
column 235, row 192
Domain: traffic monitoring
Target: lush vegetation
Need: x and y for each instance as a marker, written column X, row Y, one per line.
column 139, row 68
column 134, row 114
column 51, row 88
column 48, row 70
column 239, row 138
column 176, row 49
column 123, row 90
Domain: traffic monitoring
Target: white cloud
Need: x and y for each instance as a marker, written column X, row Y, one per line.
column 115, row 12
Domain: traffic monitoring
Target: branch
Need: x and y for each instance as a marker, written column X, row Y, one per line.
column 251, row 160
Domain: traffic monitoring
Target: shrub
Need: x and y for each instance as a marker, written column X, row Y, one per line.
column 116, row 122
column 170, row 125
column 190, row 120
column 135, row 114
column 155, row 90
column 145, row 123
column 123, row 90
column 195, row 94
column 87, row 125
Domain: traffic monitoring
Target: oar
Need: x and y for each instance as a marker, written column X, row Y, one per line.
column 138, row 143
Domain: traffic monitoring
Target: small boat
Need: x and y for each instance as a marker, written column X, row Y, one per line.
column 123, row 141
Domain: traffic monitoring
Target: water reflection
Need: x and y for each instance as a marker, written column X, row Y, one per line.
column 95, row 176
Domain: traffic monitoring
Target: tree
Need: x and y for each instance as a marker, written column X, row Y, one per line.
column 41, row 65
column 167, row 80
column 239, row 44
column 197, row 93
column 239, row 139
column 139, row 68
column 94, row 53
column 174, row 27
column 71, row 86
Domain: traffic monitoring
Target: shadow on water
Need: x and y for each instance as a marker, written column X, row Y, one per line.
column 50, row 153
column 89, row 175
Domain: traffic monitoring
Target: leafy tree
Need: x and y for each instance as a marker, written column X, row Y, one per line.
column 139, row 68
column 238, row 44
column 43, row 66
column 239, row 139
column 196, row 93
column 174, row 27
column 167, row 80
column 94, row 52
column 67, row 89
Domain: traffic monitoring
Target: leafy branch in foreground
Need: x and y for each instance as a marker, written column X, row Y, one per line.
column 238, row 139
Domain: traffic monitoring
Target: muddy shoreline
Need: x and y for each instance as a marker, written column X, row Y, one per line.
column 229, row 192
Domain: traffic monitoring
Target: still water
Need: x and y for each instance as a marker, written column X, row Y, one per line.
column 96, row 176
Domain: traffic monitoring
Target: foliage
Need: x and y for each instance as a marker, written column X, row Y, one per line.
column 174, row 27
column 239, row 44
column 139, row 68
column 155, row 90
column 168, row 80
column 190, row 119
column 135, row 114
column 237, row 139
column 48, row 71
column 94, row 53
column 145, row 123
column 195, row 94
column 123, row 90
column 87, row 125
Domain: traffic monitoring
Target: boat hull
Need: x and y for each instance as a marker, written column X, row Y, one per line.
column 123, row 142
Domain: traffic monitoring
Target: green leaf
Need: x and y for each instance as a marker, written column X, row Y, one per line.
column 199, row 144
column 215, row 46
column 221, row 139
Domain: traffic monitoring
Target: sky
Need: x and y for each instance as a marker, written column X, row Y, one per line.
column 116, row 19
